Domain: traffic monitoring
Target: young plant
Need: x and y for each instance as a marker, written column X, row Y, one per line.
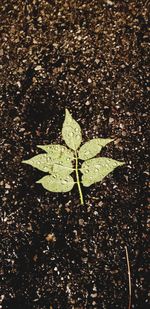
column 58, row 160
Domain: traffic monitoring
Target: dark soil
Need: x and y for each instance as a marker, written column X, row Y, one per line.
column 91, row 57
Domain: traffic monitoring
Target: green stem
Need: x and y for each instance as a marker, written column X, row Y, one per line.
column 78, row 181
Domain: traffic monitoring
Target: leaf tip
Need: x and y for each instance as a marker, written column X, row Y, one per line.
column 24, row 161
column 110, row 140
column 38, row 181
column 122, row 163
column 67, row 113
column 39, row 146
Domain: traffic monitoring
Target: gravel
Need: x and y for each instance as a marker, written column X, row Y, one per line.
column 92, row 58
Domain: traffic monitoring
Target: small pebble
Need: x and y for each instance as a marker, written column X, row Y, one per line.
column 38, row 68
column 7, row 186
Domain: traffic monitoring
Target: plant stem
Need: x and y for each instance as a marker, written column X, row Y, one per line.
column 129, row 277
column 77, row 178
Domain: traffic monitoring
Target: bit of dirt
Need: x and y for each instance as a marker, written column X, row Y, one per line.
column 92, row 58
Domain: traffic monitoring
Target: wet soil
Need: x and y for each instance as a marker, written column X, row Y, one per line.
column 92, row 58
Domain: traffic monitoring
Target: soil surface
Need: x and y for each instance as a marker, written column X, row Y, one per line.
column 92, row 58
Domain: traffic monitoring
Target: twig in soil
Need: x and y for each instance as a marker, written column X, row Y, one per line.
column 129, row 277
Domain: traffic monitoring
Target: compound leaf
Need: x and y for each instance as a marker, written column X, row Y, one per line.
column 56, row 183
column 96, row 169
column 71, row 132
column 91, row 148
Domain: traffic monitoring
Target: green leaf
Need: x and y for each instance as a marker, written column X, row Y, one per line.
column 57, row 151
column 55, row 183
column 61, row 158
column 62, row 167
column 71, row 132
column 91, row 148
column 42, row 162
column 52, row 163
column 96, row 169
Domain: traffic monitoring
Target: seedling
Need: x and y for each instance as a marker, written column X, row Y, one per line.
column 60, row 162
